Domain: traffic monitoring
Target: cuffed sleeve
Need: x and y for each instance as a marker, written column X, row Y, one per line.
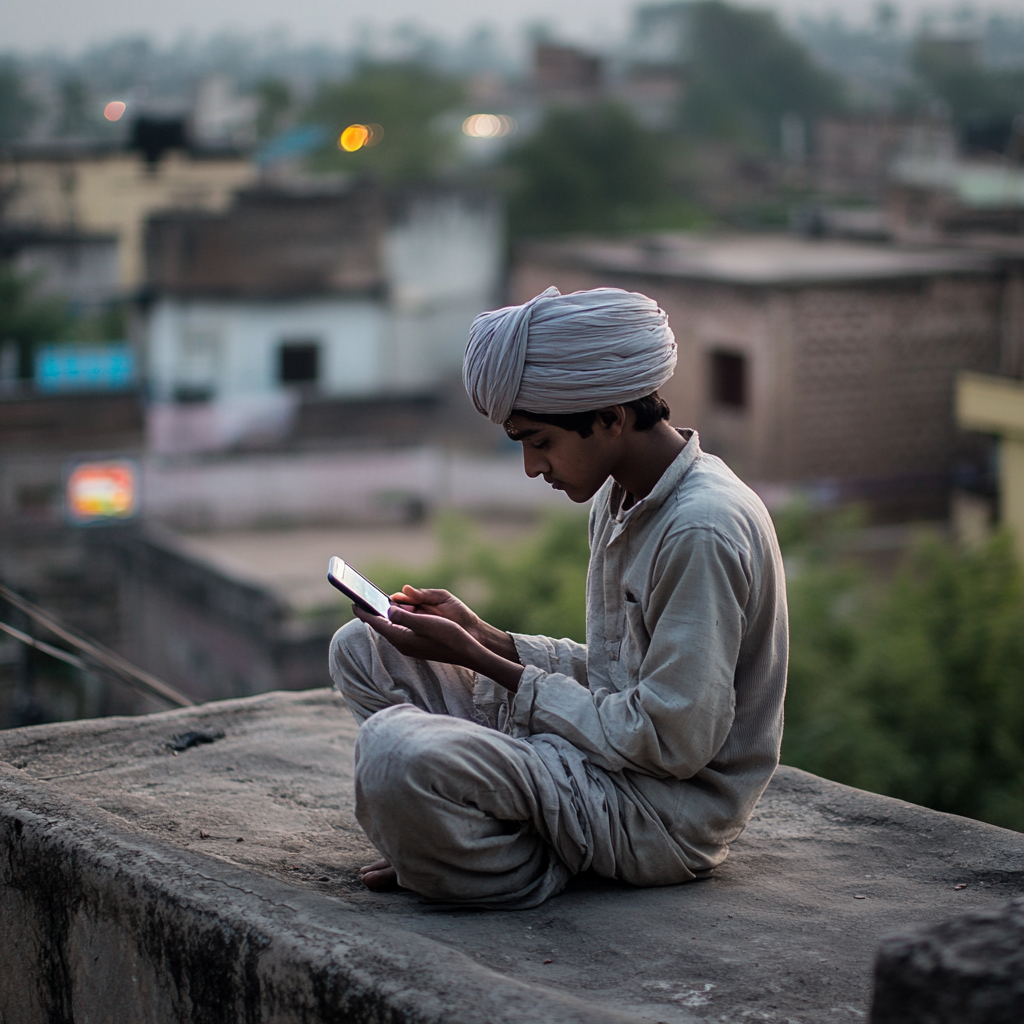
column 566, row 657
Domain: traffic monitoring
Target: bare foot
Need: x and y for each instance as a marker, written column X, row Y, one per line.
column 379, row 876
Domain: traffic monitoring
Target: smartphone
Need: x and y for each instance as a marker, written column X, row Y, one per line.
column 370, row 598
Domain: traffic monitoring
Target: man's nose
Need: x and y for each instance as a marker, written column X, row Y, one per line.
column 534, row 462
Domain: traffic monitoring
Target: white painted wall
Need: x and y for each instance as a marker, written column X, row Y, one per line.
column 247, row 336
column 246, row 491
column 443, row 263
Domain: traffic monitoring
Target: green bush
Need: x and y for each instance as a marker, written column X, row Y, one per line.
column 535, row 587
column 911, row 688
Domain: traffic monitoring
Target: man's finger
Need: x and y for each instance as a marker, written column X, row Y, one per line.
column 428, row 625
column 378, row 622
column 417, row 596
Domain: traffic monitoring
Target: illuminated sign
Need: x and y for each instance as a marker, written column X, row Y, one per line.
column 73, row 367
column 99, row 492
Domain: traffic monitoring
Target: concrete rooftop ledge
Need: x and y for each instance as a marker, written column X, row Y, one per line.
column 219, row 885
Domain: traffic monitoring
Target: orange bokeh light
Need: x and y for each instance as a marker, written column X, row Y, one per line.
column 354, row 137
column 360, row 136
column 113, row 110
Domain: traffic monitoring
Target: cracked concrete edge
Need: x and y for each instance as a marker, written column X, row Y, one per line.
column 93, row 729
column 99, row 923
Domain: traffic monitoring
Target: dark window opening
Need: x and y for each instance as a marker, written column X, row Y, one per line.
column 187, row 394
column 729, row 379
column 299, row 362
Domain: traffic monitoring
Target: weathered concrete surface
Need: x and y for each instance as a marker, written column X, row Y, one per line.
column 126, row 895
column 969, row 970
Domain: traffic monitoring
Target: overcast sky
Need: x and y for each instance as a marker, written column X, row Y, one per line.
column 71, row 24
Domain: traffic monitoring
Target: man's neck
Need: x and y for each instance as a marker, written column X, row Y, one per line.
column 646, row 456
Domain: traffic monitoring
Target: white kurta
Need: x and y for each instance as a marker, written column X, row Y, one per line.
column 639, row 755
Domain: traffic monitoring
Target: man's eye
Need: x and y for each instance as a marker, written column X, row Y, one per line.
column 538, row 444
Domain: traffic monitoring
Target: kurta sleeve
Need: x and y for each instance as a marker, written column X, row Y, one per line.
column 676, row 717
column 566, row 657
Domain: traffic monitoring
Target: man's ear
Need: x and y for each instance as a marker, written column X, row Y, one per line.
column 613, row 419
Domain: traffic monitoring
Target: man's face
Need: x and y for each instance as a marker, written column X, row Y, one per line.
column 568, row 462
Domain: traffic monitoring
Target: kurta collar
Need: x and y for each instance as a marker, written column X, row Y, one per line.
column 669, row 481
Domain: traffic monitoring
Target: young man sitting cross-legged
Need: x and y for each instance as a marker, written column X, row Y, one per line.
column 491, row 767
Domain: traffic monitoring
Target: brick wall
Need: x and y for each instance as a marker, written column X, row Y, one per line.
column 851, row 383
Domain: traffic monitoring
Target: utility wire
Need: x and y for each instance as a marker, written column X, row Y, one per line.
column 130, row 674
column 40, row 645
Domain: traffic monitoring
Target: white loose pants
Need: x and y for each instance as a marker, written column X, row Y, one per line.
column 464, row 812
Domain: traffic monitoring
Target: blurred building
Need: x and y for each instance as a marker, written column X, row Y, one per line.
column 931, row 199
column 77, row 189
column 221, row 117
column 855, row 156
column 821, row 365
column 565, row 75
column 38, row 433
column 296, row 296
column 80, row 266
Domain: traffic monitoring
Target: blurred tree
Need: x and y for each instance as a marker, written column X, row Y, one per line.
column 26, row 320
column 744, row 74
column 595, row 169
column 535, row 587
column 75, row 117
column 275, row 104
column 911, row 689
column 407, row 100
column 109, row 323
column 17, row 109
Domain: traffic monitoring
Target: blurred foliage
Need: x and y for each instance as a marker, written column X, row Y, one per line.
column 29, row 320
column 275, row 102
column 407, row 100
column 17, row 108
column 534, row 587
column 75, row 115
column 973, row 93
column 26, row 319
column 911, row 687
column 107, row 324
column 744, row 73
column 595, row 169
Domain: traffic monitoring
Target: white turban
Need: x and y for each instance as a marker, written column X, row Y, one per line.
column 568, row 353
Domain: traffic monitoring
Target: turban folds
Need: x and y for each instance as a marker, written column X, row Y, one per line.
column 568, row 353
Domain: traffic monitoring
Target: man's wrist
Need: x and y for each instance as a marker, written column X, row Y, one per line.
column 497, row 641
column 505, row 672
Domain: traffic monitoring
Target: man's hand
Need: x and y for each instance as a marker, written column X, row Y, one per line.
column 438, row 602
column 434, row 637
column 447, row 606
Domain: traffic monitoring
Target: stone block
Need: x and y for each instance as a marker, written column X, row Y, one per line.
column 968, row 970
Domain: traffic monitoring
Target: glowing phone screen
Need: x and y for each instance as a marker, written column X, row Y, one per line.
column 347, row 580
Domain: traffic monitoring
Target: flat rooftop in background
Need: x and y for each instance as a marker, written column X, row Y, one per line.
column 293, row 562
column 220, row 884
column 758, row 259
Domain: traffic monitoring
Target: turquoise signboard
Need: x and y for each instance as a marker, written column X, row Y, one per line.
column 67, row 367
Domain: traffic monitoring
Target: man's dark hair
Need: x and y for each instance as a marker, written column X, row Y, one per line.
column 650, row 409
